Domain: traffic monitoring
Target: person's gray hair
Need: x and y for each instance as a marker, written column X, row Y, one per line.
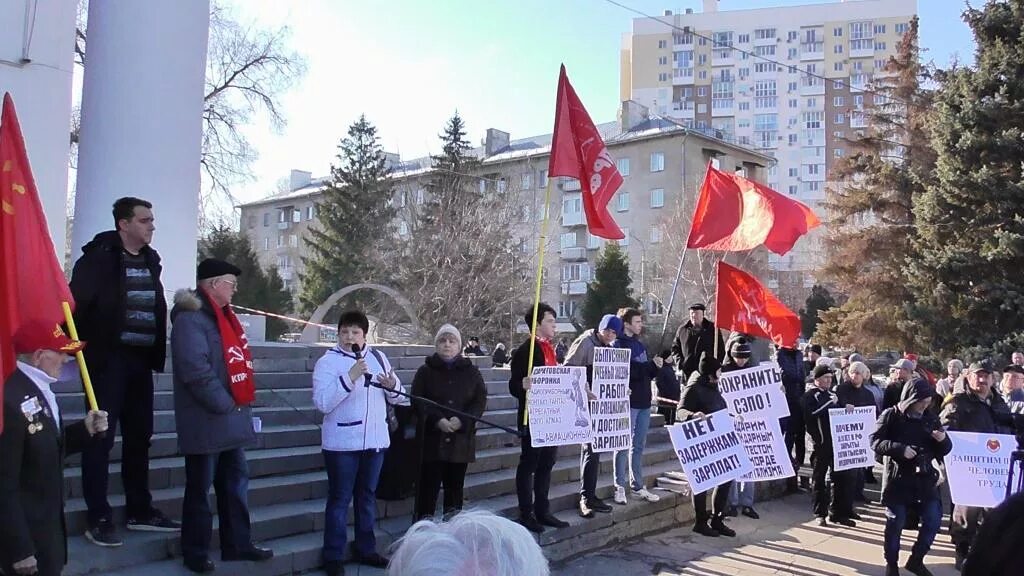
column 859, row 368
column 26, row 358
column 473, row 542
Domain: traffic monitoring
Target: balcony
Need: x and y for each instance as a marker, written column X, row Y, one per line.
column 574, row 254
column 573, row 219
column 812, row 51
column 812, row 87
column 722, row 107
column 574, row 288
column 682, row 75
column 283, row 225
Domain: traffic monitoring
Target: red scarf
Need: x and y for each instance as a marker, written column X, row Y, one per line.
column 237, row 357
column 550, row 358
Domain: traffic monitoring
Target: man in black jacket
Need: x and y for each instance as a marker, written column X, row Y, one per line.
column 852, row 394
column 978, row 409
column 533, row 475
column 816, row 404
column 794, row 380
column 908, row 437
column 33, row 444
column 696, row 338
column 120, row 310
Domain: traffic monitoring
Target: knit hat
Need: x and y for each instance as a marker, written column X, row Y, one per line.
column 821, row 370
column 856, row 358
column 610, row 322
column 709, row 365
column 740, row 348
column 816, row 348
column 451, row 331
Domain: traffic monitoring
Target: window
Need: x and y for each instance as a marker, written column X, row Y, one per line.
column 702, row 109
column 837, row 32
column 403, row 228
column 879, row 64
column 625, row 240
column 812, row 102
column 837, row 84
column 572, row 204
column 702, row 59
column 744, row 105
column 814, row 169
column 764, row 94
column 837, row 134
column 655, row 235
column 837, row 49
column 662, row 43
column 281, row 216
column 762, row 67
column 858, row 65
column 622, row 201
column 684, row 38
column 703, row 75
column 744, row 72
column 593, row 242
column 542, row 178
column 793, row 35
column 266, row 243
column 419, row 195
column 837, row 67
column 838, row 101
column 721, row 95
column 657, row 198
column 662, row 60
column 252, row 221
column 792, row 142
column 502, row 185
column 568, row 240
column 792, row 190
column 793, row 103
column 702, row 91
column 902, row 28
column 310, row 210
column 792, row 53
column 792, row 87
column 524, row 181
column 266, row 219
column 296, row 215
column 722, row 44
column 744, row 38
column 657, row 161
column 622, row 165
column 764, row 50
column 293, row 241
column 861, row 36
column 813, row 120
column 765, row 33
column 879, row 46
column 838, row 152
column 663, row 77
column 858, row 100
column 840, row 118
column 793, row 172
column 879, row 29
column 280, row 240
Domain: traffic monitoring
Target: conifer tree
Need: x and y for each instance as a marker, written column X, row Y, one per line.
column 611, row 288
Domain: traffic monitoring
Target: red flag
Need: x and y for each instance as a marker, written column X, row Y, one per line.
column 735, row 214
column 742, row 304
column 578, row 151
column 32, row 283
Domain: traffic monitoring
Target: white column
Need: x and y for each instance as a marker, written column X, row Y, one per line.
column 36, row 62
column 142, row 103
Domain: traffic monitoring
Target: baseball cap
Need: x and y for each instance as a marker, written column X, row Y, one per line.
column 610, row 322
column 41, row 335
column 1013, row 368
column 903, row 364
column 698, row 306
column 979, row 367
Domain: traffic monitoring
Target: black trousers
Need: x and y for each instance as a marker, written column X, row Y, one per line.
column 228, row 472
column 796, row 434
column 533, row 478
column 433, row 475
column 963, row 536
column 719, row 502
column 125, row 390
column 590, row 465
column 669, row 412
column 836, row 498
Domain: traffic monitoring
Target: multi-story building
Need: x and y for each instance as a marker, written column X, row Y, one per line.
column 789, row 81
column 662, row 163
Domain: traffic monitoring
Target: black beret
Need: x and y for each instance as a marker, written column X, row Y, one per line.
column 212, row 268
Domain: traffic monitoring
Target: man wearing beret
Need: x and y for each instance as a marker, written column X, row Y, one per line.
column 32, row 449
column 213, row 389
column 696, row 338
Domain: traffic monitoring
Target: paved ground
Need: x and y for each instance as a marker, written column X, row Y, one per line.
column 785, row 541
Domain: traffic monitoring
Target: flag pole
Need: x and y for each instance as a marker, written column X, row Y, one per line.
column 86, row 380
column 679, row 270
column 541, row 245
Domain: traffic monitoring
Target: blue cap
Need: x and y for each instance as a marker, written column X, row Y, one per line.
column 610, row 322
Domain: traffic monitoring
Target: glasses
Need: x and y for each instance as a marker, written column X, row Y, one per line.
column 233, row 283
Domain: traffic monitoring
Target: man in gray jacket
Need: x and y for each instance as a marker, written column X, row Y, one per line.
column 213, row 387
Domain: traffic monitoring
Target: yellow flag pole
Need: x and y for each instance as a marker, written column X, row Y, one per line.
column 541, row 248
column 86, row 381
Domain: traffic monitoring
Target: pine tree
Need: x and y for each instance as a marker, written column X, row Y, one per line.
column 871, row 210
column 257, row 289
column 355, row 214
column 611, row 288
column 967, row 276
column 820, row 300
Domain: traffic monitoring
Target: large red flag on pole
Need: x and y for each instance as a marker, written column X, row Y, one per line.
column 32, row 283
column 742, row 304
column 578, row 151
column 734, row 214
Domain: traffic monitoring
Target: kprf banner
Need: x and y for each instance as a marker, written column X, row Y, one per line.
column 978, row 467
column 766, row 447
column 851, row 437
column 710, row 451
column 610, row 412
column 755, row 393
column 559, row 411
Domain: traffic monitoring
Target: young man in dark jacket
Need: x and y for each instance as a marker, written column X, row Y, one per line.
column 533, row 475
column 581, row 353
column 816, row 404
column 794, row 380
column 978, row 409
column 908, row 437
column 120, row 310
column 696, row 338
column 667, row 384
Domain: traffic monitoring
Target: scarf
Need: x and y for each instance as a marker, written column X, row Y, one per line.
column 237, row 357
column 550, row 358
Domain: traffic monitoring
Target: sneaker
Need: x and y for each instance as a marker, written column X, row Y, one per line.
column 199, row 565
column 156, row 522
column 916, row 566
column 751, row 513
column 620, row 495
column 732, row 512
column 598, row 505
column 103, row 534
column 645, row 494
column 822, row 521
column 585, row 510
column 704, row 529
column 718, row 525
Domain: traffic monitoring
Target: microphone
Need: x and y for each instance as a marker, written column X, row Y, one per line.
column 356, row 348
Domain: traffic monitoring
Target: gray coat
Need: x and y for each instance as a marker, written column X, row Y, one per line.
column 207, row 419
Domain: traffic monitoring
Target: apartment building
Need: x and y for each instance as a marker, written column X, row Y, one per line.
column 791, row 82
column 662, row 163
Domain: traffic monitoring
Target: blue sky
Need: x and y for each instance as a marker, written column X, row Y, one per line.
column 409, row 64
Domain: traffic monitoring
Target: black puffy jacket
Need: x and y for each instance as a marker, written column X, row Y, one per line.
column 701, row 394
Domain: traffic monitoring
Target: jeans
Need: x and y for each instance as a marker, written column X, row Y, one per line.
column 896, row 518
column 742, row 494
column 719, row 499
column 590, row 465
column 533, row 478
column 452, row 475
column 125, row 390
column 640, row 419
column 351, row 475
column 229, row 474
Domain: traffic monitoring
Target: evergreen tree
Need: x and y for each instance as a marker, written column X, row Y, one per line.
column 257, row 289
column 967, row 276
column 820, row 300
column 872, row 229
column 611, row 288
column 355, row 214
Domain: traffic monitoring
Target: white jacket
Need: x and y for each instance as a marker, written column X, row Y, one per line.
column 355, row 414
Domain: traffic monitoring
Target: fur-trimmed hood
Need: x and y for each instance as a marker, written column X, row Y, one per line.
column 186, row 300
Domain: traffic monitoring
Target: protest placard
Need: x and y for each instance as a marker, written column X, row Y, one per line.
column 610, row 412
column 978, row 467
column 766, row 448
column 851, row 437
column 710, row 451
column 558, row 409
column 755, row 392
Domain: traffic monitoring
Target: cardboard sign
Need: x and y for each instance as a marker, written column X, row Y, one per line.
column 766, row 447
column 755, row 393
column 851, row 437
column 978, row 467
column 710, row 451
column 610, row 412
column 559, row 413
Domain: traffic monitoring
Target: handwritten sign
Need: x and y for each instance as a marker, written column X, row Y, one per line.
column 710, row 451
column 610, row 383
column 978, row 467
column 851, row 437
column 557, row 402
column 755, row 393
column 766, row 447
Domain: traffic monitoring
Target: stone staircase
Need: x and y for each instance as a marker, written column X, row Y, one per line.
column 288, row 484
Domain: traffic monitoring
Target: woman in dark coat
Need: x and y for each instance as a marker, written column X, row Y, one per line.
column 448, row 441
